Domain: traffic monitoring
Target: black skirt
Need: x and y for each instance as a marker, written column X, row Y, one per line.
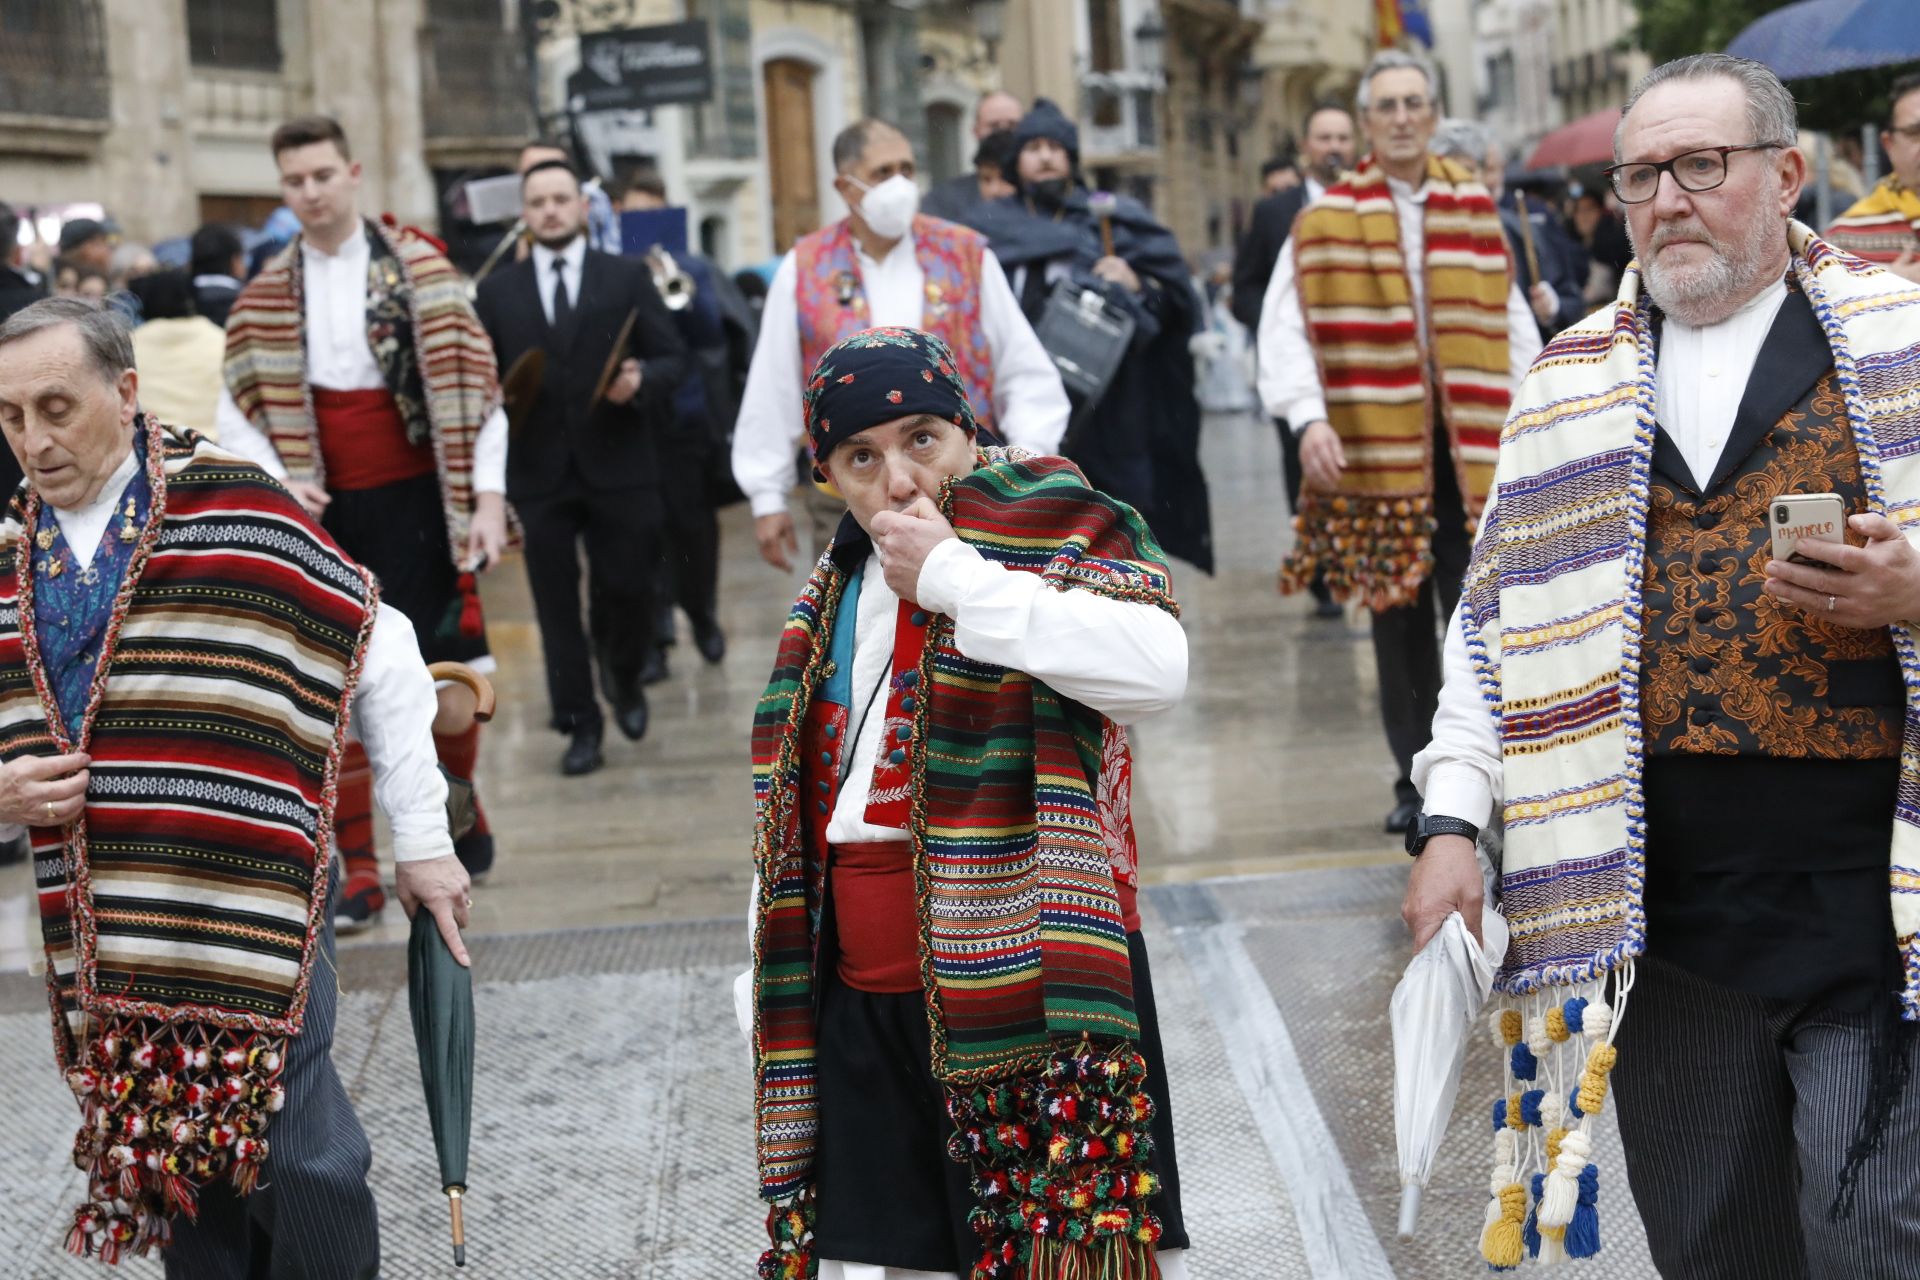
column 888, row 1193
column 398, row 532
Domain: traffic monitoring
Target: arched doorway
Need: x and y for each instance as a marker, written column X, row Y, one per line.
column 793, row 168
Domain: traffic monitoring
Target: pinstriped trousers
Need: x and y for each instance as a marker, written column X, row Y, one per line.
column 1736, row 1113
column 312, row 1216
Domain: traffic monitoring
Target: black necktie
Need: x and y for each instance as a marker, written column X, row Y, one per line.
column 562, row 306
column 1034, row 291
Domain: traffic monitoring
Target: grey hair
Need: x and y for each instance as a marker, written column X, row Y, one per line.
column 108, row 339
column 1771, row 114
column 1462, row 139
column 1395, row 60
column 851, row 142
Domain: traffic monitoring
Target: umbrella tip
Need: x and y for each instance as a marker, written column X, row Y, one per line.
column 459, row 1255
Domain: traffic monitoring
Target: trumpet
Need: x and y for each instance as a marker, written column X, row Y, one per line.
column 675, row 285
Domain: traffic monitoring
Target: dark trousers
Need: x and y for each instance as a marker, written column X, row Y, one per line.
column 690, row 559
column 312, row 1216
column 399, row 533
column 1737, row 1112
column 621, row 532
column 1406, row 644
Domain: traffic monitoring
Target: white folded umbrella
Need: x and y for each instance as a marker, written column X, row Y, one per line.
column 1435, row 1010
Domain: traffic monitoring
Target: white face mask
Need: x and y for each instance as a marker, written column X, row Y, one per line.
column 888, row 209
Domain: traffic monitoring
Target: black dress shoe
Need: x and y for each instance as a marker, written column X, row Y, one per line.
column 631, row 716
column 710, row 640
column 654, row 669
column 1401, row 816
column 583, row 753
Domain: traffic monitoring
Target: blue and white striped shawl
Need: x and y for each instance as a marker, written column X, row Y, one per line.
column 1553, row 610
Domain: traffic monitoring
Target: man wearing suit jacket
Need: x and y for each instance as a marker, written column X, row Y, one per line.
column 578, row 467
column 1326, row 151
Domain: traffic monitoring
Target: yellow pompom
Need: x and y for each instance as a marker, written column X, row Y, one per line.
column 1553, row 1144
column 1513, row 1113
column 1557, row 1026
column 1510, row 1026
column 1601, row 1060
column 1593, row 1093
column 1504, row 1243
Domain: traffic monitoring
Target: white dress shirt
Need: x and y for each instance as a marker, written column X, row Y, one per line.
column 339, row 358
column 1289, row 374
column 1700, row 379
column 1029, row 403
column 1125, row 659
column 393, row 704
column 571, row 259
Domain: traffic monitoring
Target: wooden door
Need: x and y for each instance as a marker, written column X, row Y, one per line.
column 792, row 164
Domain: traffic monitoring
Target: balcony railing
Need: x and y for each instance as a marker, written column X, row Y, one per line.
column 1117, row 114
column 473, row 80
column 53, row 60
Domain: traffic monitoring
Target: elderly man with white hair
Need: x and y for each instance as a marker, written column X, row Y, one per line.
column 1703, row 746
column 180, row 645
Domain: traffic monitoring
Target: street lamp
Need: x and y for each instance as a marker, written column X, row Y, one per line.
column 1150, row 44
column 990, row 23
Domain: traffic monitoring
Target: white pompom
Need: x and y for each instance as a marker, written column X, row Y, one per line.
column 1493, row 1029
column 1537, row 1039
column 1506, row 1147
column 1560, row 1194
column 1553, row 1110
column 1597, row 1020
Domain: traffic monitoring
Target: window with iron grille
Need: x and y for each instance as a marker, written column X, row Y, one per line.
column 238, row 35
column 53, row 59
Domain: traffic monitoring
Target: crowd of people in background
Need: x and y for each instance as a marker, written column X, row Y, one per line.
column 1023, row 266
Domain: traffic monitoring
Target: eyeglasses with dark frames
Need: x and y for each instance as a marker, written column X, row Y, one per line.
column 1695, row 171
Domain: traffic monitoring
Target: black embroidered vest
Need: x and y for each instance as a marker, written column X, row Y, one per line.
column 1726, row 668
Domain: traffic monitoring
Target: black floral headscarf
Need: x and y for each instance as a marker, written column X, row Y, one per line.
column 881, row 375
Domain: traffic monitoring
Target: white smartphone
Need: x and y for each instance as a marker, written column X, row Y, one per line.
column 1803, row 518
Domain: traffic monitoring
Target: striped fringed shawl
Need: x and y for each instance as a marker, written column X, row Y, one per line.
column 1023, row 948
column 181, row 911
column 1882, row 225
column 1373, row 539
column 1553, row 608
column 266, row 366
column 1552, row 616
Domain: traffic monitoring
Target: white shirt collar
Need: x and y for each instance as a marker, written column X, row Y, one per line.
column 1315, row 188
column 110, row 492
column 573, row 255
column 1407, row 191
column 903, row 245
column 354, row 246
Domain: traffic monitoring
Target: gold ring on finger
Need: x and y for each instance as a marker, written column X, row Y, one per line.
column 50, row 812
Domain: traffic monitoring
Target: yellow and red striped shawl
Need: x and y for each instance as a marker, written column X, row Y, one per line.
column 1882, row 225
column 266, row 366
column 1373, row 538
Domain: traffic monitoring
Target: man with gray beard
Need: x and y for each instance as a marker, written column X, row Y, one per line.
column 1695, row 739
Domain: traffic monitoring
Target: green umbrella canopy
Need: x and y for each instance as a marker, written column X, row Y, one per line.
column 440, row 995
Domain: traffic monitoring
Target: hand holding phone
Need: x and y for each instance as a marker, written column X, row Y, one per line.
column 1804, row 519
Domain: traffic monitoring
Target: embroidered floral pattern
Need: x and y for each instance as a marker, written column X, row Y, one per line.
column 1728, row 669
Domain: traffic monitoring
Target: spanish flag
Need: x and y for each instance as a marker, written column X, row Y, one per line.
column 1398, row 19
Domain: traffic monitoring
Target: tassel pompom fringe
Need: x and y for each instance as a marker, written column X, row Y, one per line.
column 1375, row 550
column 166, row 1110
column 1059, row 1168
column 790, row 1254
column 1544, row 1192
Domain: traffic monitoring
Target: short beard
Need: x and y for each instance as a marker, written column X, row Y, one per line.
column 1709, row 293
column 1050, row 192
column 557, row 243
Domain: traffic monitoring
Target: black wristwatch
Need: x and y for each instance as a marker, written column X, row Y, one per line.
column 1424, row 828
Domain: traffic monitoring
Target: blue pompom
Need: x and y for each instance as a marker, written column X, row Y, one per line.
column 1575, row 1012
column 1573, row 1103
column 1530, row 1105
column 1531, row 1232
column 1583, row 1233
column 1525, row 1065
column 1500, row 1115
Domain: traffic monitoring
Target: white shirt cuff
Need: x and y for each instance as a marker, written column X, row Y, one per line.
column 1456, row 790
column 766, row 504
column 946, row 575
column 1304, row 411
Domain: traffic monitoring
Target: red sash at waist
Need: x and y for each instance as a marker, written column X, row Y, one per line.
column 878, row 918
column 363, row 440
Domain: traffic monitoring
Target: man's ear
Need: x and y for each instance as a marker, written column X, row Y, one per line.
column 129, row 388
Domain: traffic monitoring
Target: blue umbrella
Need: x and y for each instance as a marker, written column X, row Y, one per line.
column 1826, row 37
